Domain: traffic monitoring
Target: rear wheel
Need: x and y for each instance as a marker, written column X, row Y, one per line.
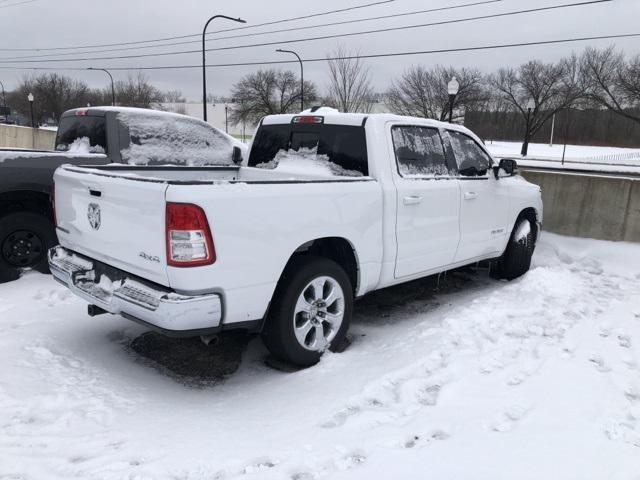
column 25, row 238
column 516, row 259
column 311, row 311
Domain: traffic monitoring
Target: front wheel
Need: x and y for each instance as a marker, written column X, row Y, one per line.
column 516, row 259
column 311, row 311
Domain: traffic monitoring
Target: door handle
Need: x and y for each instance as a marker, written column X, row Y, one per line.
column 412, row 200
column 470, row 195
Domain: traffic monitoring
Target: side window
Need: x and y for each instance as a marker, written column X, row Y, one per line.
column 472, row 160
column 419, row 151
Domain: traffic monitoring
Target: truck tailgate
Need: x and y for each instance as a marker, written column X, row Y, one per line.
column 114, row 219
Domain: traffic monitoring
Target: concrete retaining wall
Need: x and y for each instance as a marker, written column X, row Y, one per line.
column 12, row 136
column 589, row 205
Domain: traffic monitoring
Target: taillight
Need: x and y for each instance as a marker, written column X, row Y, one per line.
column 189, row 241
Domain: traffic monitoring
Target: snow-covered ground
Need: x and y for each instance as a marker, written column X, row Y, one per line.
column 481, row 379
column 577, row 157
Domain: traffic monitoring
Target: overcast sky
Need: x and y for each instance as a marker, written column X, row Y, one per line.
column 71, row 23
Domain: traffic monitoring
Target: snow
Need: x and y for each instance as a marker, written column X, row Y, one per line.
column 306, row 161
column 523, row 231
column 82, row 146
column 577, row 157
column 479, row 379
column 162, row 137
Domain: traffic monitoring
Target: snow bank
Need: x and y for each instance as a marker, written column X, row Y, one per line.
column 161, row 137
column 306, row 161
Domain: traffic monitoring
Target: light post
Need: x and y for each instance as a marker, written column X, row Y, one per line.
column 204, row 60
column 4, row 98
column 113, row 90
column 301, row 75
column 30, row 98
column 226, row 118
column 566, row 133
column 531, row 105
column 453, row 87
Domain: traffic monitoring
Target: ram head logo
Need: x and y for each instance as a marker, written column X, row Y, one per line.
column 93, row 215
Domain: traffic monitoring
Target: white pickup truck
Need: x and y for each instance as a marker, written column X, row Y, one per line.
column 326, row 208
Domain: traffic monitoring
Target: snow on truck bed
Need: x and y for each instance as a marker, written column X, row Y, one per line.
column 534, row 379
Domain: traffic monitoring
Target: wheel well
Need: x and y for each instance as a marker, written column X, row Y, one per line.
column 25, row 200
column 532, row 215
column 334, row 248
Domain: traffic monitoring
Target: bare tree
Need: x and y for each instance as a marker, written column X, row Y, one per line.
column 611, row 82
column 550, row 88
column 349, row 82
column 174, row 96
column 420, row 92
column 136, row 91
column 53, row 93
column 268, row 92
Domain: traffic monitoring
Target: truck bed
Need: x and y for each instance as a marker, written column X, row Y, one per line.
column 177, row 175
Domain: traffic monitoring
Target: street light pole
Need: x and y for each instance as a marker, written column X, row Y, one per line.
column 525, row 146
column 113, row 90
column 453, row 87
column 30, row 98
column 204, row 60
column 4, row 98
column 226, row 118
column 301, row 75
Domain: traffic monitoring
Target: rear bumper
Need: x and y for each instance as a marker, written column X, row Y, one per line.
column 118, row 292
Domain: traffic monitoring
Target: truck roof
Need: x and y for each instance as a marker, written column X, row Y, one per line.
column 101, row 111
column 334, row 117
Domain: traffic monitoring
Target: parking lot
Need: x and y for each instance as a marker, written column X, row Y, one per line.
column 441, row 374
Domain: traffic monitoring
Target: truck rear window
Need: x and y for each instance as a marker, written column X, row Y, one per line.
column 343, row 145
column 87, row 132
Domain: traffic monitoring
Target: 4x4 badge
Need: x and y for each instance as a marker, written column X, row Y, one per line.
column 93, row 215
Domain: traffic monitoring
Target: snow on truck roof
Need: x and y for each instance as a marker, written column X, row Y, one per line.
column 332, row 116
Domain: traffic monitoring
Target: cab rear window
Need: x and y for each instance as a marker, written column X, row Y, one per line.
column 343, row 145
column 91, row 130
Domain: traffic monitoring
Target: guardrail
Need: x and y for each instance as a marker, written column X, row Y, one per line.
column 590, row 205
column 12, row 136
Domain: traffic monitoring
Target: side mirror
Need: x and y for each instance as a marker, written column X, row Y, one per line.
column 509, row 165
column 236, row 157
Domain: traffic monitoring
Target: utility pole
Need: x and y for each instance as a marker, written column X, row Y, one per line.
column 204, row 60
column 553, row 126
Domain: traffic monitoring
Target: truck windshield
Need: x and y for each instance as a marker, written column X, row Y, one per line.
column 82, row 134
column 342, row 145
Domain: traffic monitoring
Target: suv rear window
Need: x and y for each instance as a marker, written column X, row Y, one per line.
column 343, row 145
column 82, row 127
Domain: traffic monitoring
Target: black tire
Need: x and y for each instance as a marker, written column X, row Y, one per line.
column 278, row 334
column 516, row 259
column 25, row 238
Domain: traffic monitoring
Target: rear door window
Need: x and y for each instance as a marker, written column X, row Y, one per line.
column 419, row 151
column 342, row 147
column 82, row 134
